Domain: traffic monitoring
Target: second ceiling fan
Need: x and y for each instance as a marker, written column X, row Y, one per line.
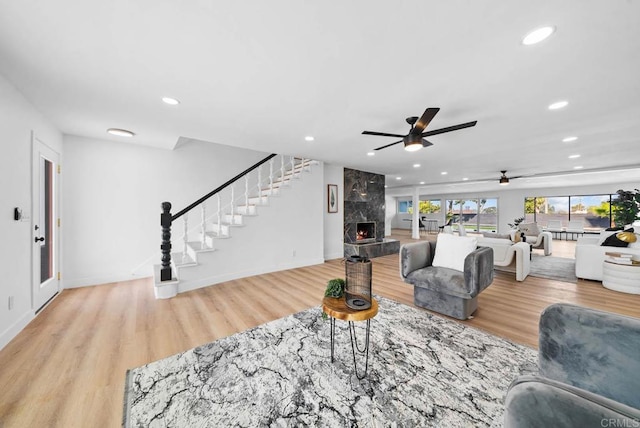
column 414, row 140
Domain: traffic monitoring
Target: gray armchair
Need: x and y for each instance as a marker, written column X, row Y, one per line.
column 589, row 372
column 445, row 290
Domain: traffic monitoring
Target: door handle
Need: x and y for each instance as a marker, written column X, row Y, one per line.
column 40, row 239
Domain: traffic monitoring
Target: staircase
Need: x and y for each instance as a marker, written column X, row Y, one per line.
column 212, row 219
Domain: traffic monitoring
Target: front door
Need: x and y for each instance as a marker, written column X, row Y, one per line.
column 45, row 223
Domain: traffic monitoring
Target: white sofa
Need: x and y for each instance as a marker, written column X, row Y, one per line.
column 506, row 252
column 590, row 255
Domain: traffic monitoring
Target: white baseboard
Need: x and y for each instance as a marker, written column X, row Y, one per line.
column 335, row 255
column 194, row 284
column 16, row 328
column 99, row 280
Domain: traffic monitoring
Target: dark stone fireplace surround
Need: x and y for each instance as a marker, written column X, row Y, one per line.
column 364, row 202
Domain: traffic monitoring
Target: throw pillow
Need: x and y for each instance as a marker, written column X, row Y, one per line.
column 515, row 235
column 635, row 244
column 604, row 235
column 451, row 251
column 529, row 229
column 613, row 241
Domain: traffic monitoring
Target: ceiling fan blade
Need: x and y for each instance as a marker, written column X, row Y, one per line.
column 382, row 134
column 426, row 143
column 449, row 129
column 424, row 120
column 389, row 145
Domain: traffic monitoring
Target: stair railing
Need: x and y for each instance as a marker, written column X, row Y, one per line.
column 167, row 219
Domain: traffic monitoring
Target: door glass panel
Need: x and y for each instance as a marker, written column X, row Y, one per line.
column 46, row 219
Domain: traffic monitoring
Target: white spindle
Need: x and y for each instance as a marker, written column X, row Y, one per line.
column 233, row 197
column 293, row 165
column 203, row 242
column 270, row 175
column 259, row 179
column 185, row 239
column 246, row 192
column 219, row 215
column 281, row 169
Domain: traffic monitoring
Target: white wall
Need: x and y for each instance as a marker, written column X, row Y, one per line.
column 333, row 222
column 510, row 202
column 18, row 118
column 113, row 196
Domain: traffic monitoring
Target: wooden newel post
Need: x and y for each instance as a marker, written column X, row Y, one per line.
column 165, row 247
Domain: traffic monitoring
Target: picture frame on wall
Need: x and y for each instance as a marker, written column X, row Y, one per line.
column 332, row 198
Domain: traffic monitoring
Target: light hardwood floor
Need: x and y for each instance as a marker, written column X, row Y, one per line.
column 67, row 367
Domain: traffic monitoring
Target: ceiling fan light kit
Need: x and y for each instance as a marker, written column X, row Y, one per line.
column 504, row 180
column 412, row 143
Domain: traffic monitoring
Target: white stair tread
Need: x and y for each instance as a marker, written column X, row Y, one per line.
column 215, row 235
column 197, row 246
column 179, row 260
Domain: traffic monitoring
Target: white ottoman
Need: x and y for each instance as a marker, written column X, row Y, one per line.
column 624, row 278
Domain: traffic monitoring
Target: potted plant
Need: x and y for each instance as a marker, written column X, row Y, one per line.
column 626, row 207
column 515, row 223
column 335, row 288
column 517, row 236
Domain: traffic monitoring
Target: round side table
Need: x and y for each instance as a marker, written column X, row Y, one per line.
column 623, row 278
column 337, row 308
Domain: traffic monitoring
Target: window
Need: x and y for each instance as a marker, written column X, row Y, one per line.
column 426, row 207
column 431, row 206
column 405, row 207
column 475, row 214
column 593, row 210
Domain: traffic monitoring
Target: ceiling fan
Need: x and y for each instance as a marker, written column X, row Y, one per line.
column 414, row 140
column 504, row 180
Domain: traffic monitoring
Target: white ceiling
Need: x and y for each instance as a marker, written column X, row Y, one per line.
column 263, row 75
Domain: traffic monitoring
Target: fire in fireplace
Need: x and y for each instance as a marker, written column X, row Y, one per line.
column 366, row 231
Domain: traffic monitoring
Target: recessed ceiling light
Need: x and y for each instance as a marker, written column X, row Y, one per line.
column 398, row 178
column 309, row 138
column 385, row 186
column 569, row 139
column 443, row 173
column 574, row 156
column 120, row 132
column 558, row 105
column 422, row 182
column 371, row 154
column 465, row 178
column 416, row 165
column 577, row 167
column 170, row 101
column 538, row 35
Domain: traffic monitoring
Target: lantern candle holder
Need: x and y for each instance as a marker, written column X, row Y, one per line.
column 357, row 289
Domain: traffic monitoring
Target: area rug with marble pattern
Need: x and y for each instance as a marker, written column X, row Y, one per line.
column 424, row 370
